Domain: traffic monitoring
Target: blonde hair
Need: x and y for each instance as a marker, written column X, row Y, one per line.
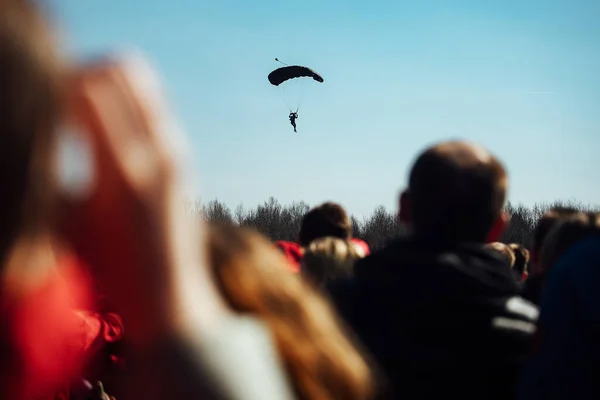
column 505, row 251
column 522, row 257
column 254, row 278
column 329, row 258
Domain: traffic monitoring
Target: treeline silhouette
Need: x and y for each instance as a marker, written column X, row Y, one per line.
column 282, row 222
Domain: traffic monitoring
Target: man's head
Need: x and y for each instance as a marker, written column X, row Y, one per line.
column 456, row 192
column 328, row 219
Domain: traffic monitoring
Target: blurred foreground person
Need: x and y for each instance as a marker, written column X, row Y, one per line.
column 439, row 311
column 127, row 226
column 567, row 359
column 52, row 327
column 532, row 289
column 254, row 279
column 328, row 259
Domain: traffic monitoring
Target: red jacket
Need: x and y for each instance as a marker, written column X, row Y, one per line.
column 46, row 337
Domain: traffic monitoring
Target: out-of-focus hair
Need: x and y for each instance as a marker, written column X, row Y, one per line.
column 505, row 251
column 254, row 278
column 565, row 234
column 327, row 259
column 521, row 259
column 31, row 100
column 328, row 219
column 548, row 221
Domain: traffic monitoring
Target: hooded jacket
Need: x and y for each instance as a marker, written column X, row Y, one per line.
column 439, row 320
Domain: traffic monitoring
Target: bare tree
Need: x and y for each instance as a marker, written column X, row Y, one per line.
column 280, row 222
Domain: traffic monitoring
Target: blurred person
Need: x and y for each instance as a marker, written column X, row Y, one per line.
column 532, row 288
column 438, row 310
column 566, row 233
column 566, row 359
column 33, row 291
column 504, row 251
column 521, row 264
column 180, row 333
column 328, row 259
column 546, row 223
column 321, row 362
column 327, row 219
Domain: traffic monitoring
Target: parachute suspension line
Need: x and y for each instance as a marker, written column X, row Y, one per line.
column 282, row 63
column 284, row 96
column 301, row 96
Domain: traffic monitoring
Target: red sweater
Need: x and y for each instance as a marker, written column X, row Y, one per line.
column 46, row 338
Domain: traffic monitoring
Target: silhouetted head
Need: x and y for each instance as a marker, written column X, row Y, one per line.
column 328, row 219
column 546, row 223
column 567, row 232
column 456, row 193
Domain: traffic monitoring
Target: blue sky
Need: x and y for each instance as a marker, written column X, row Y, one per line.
column 399, row 75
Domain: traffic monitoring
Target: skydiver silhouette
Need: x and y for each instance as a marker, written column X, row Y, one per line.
column 293, row 116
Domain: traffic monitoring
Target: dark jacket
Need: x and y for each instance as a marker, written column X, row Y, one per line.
column 440, row 321
column 566, row 364
column 532, row 289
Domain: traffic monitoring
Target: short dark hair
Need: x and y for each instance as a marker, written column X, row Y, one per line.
column 457, row 191
column 328, row 219
column 565, row 233
column 548, row 221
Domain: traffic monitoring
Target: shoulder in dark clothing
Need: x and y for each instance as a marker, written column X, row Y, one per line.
column 439, row 320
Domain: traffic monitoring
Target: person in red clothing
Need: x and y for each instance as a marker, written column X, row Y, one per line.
column 145, row 257
column 51, row 328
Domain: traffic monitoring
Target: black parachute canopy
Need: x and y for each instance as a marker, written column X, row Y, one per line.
column 283, row 74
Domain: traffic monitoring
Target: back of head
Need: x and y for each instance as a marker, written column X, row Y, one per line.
column 456, row 192
column 31, row 99
column 565, row 234
column 328, row 219
column 548, row 221
column 505, row 251
column 327, row 259
column 254, row 278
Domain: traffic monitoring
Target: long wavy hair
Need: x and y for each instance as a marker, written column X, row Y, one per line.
column 321, row 361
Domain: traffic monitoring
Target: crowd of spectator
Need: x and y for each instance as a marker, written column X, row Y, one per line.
column 110, row 291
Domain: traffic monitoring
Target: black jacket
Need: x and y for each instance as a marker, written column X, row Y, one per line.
column 440, row 321
column 532, row 289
